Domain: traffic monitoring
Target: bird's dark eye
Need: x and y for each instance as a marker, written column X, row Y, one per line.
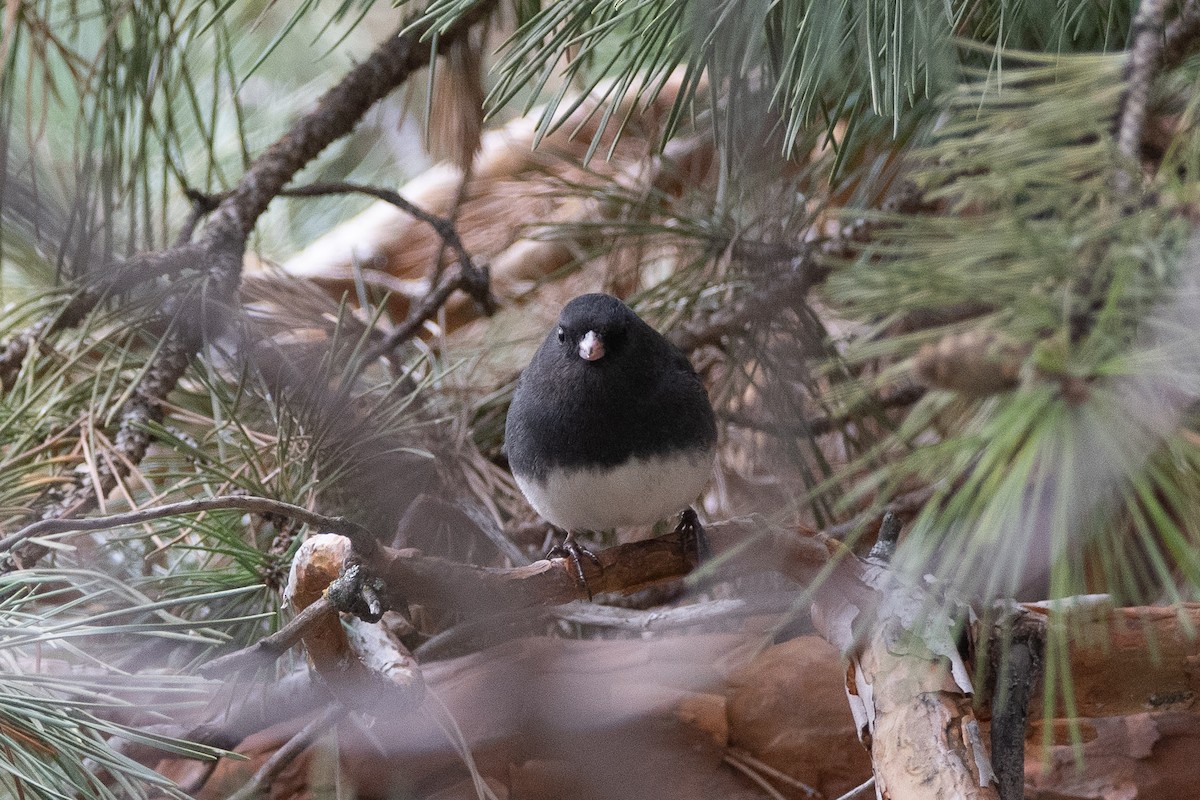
column 562, row 335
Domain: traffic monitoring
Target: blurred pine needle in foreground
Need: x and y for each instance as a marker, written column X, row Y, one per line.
column 936, row 263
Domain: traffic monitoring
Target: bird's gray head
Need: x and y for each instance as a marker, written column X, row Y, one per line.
column 594, row 327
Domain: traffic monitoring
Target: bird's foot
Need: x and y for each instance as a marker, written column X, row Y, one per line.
column 574, row 552
column 691, row 532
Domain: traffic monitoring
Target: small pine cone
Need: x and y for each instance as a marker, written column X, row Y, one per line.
column 976, row 363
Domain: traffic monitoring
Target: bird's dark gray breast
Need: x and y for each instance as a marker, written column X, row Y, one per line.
column 568, row 413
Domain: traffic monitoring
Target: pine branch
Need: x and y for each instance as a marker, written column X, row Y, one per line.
column 1144, row 60
column 468, row 277
column 120, row 277
column 406, row 576
column 336, row 114
column 220, row 250
column 808, row 268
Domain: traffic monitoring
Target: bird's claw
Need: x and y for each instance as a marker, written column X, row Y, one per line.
column 691, row 532
column 574, row 552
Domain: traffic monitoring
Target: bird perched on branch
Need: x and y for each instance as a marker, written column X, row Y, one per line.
column 610, row 426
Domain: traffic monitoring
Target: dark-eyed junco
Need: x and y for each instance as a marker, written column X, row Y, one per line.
column 610, row 425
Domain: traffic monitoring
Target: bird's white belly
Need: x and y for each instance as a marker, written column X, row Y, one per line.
column 638, row 492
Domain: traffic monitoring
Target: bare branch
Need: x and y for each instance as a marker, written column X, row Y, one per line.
column 758, row 765
column 740, row 546
column 460, row 197
column 443, row 227
column 425, row 309
column 1144, row 59
column 269, row 648
column 469, row 277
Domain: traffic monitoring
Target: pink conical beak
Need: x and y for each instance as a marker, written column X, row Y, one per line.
column 591, row 346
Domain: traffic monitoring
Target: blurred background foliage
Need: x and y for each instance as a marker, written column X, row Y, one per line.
column 1008, row 359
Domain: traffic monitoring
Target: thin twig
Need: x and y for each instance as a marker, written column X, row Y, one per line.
column 443, row 227
column 285, row 755
column 1144, row 59
column 460, row 197
column 753, row 775
column 469, row 277
column 860, row 790
column 425, row 309
column 363, row 541
column 473, row 279
column 766, row 768
column 269, row 648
